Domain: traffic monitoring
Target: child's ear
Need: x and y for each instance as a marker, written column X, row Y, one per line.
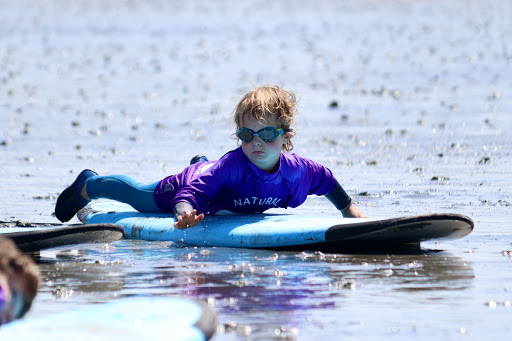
column 288, row 136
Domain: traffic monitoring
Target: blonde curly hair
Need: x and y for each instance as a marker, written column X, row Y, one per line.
column 267, row 100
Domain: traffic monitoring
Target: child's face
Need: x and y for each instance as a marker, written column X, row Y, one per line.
column 265, row 155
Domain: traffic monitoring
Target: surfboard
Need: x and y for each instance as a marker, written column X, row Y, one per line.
column 36, row 238
column 126, row 319
column 281, row 231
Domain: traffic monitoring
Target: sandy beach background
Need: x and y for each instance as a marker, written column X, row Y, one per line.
column 408, row 102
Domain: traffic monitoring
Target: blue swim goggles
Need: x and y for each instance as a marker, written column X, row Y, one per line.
column 267, row 134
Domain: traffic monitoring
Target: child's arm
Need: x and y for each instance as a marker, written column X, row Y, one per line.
column 353, row 212
column 340, row 198
column 186, row 216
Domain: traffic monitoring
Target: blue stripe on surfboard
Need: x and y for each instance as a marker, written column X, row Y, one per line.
column 128, row 319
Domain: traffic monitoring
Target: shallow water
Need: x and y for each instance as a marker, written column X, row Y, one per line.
column 409, row 103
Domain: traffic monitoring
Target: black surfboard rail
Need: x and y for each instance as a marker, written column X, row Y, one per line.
column 410, row 229
column 38, row 239
column 401, row 235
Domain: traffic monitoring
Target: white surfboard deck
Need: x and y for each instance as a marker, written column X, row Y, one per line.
column 126, row 319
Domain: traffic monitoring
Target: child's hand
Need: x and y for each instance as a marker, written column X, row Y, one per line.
column 353, row 212
column 186, row 219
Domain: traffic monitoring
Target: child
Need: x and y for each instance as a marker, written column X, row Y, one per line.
column 250, row 179
column 19, row 280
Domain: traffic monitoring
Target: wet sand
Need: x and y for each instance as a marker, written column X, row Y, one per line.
column 408, row 103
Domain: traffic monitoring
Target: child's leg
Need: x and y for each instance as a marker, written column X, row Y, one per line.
column 124, row 189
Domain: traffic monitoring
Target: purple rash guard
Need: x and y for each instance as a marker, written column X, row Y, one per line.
column 235, row 184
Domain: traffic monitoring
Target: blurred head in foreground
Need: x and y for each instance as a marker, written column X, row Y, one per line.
column 19, row 280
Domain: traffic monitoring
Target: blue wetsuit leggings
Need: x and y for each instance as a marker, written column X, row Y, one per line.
column 124, row 189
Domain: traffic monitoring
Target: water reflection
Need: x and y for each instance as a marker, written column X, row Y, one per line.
column 272, row 289
column 67, row 271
